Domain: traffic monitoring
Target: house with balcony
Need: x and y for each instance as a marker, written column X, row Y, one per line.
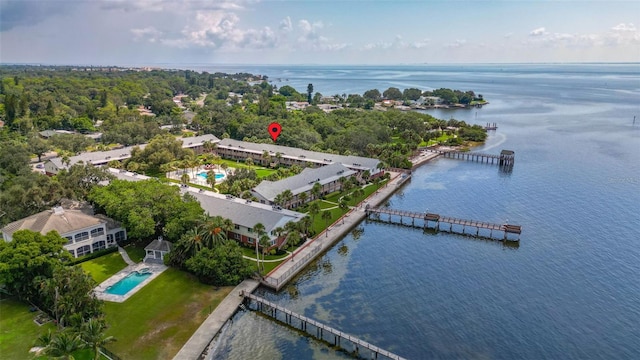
column 85, row 233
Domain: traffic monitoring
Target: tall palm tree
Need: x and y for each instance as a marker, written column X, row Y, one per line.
column 63, row 345
column 342, row 204
column 316, row 190
column 224, row 168
column 92, row 333
column 326, row 216
column 249, row 162
column 266, row 158
column 265, row 241
column 211, row 179
column 259, row 230
column 314, row 209
column 287, row 196
column 215, row 230
column 303, row 197
column 195, row 240
column 305, row 224
column 185, row 178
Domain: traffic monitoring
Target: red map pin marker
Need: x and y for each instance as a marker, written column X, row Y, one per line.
column 274, row 130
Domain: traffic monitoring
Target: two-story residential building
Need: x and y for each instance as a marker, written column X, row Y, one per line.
column 245, row 214
column 241, row 150
column 329, row 177
column 101, row 158
column 85, row 233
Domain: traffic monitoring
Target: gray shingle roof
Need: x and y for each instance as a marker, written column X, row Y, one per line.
column 159, row 245
column 303, row 181
column 43, row 222
column 245, row 214
column 350, row 161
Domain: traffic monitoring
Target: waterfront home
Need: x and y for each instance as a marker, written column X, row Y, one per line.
column 329, row 177
column 84, row 231
column 245, row 214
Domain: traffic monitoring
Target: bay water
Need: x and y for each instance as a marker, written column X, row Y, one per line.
column 570, row 289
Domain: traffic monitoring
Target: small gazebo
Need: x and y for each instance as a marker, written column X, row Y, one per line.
column 156, row 250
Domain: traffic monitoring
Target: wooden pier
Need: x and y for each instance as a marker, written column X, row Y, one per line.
column 491, row 126
column 435, row 222
column 322, row 331
column 506, row 157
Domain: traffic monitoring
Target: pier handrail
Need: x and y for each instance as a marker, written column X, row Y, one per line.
column 322, row 326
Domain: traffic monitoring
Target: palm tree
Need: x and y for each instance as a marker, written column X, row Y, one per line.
column 211, row 179
column 287, row 196
column 92, row 333
column 303, row 197
column 266, row 157
column 195, row 240
column 63, row 345
column 249, row 162
column 185, row 178
column 215, row 230
column 278, row 158
column 305, row 225
column 326, row 216
column 259, row 230
column 314, row 209
column 316, row 190
column 209, row 146
column 342, row 204
column 265, row 241
column 224, row 168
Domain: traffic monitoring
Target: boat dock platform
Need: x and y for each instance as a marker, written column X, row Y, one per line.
column 506, row 157
column 439, row 223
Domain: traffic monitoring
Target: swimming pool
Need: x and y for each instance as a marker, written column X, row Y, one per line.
column 204, row 175
column 127, row 283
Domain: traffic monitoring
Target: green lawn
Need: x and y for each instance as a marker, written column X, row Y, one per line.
column 136, row 253
column 104, row 267
column 319, row 224
column 156, row 321
column 18, row 332
column 251, row 252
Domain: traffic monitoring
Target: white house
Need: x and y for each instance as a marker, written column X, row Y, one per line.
column 85, row 233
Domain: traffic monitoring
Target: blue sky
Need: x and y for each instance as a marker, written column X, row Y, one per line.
column 147, row 32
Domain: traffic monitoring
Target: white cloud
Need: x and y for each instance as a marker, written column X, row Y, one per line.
column 174, row 5
column 624, row 27
column 619, row 35
column 149, row 33
column 310, row 37
column 456, row 44
column 286, row 25
column 538, row 32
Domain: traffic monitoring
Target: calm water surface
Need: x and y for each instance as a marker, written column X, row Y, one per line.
column 571, row 289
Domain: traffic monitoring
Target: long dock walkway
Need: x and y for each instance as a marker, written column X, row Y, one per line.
column 505, row 158
column 424, row 220
column 284, row 272
column 201, row 339
column 322, row 331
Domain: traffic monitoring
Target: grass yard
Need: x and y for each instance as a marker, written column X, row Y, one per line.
column 320, row 224
column 18, row 332
column 135, row 253
column 251, row 252
column 156, row 321
column 104, row 267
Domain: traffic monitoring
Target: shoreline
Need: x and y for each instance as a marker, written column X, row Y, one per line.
column 201, row 339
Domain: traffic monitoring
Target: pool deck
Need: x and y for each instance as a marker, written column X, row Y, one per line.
column 156, row 269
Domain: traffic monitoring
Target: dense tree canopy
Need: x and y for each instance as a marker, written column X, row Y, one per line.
column 147, row 209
